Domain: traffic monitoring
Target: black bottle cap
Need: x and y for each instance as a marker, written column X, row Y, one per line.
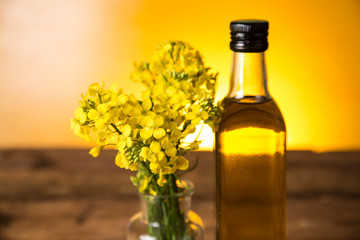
column 249, row 35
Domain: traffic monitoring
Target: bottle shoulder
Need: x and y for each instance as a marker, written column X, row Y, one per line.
column 251, row 112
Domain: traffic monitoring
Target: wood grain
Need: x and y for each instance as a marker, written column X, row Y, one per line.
column 68, row 195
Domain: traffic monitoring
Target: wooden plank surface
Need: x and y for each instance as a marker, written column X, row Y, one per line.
column 68, row 195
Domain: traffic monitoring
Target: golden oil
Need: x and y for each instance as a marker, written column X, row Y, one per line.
column 250, row 169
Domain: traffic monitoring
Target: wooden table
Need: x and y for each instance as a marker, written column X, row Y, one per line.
column 68, row 195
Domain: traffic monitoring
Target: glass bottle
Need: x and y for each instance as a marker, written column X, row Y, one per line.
column 154, row 222
column 250, row 145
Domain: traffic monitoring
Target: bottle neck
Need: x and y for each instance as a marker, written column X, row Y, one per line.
column 248, row 80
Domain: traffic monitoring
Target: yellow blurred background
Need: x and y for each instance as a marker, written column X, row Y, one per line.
column 50, row 51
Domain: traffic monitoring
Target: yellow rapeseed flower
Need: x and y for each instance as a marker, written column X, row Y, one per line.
column 179, row 162
column 149, row 132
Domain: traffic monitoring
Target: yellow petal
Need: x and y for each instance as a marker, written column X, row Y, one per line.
column 136, row 110
column 158, row 108
column 190, row 128
column 106, row 117
column 129, row 142
column 121, row 144
column 204, row 115
column 185, row 86
column 120, row 160
column 102, row 108
column 147, row 121
column 161, row 156
column 123, row 98
column 159, row 120
column 95, row 151
column 167, row 170
column 99, row 124
column 185, row 102
column 152, row 192
column 196, row 108
column 183, row 163
column 173, row 159
column 196, row 121
column 134, row 166
column 151, row 114
column 111, row 104
column 126, row 130
column 92, row 114
column 154, row 167
column 165, row 143
column 76, row 127
column 176, row 105
column 146, row 93
column 147, row 76
column 160, row 181
column 158, row 89
column 159, row 133
column 146, row 104
column 94, row 89
column 173, row 125
column 127, row 108
column 155, row 146
column 146, row 133
column 144, row 184
column 175, row 135
column 190, row 116
column 73, row 123
column 144, row 152
column 172, row 113
column 170, row 91
column 171, row 151
column 135, row 132
column 80, row 115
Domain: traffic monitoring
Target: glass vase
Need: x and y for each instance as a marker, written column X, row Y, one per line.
column 166, row 217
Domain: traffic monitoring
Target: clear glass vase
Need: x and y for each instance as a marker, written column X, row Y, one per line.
column 166, row 217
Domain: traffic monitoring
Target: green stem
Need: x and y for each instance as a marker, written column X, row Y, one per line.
column 100, row 100
column 153, row 180
column 167, row 212
column 116, row 129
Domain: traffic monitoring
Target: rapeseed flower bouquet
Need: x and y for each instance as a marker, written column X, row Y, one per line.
column 149, row 133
